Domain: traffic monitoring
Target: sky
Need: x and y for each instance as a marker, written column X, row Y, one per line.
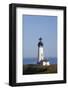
column 36, row 27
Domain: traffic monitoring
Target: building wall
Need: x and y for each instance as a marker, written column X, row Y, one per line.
column 40, row 53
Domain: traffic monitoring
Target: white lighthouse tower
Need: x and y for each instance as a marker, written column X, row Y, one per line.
column 40, row 50
column 41, row 59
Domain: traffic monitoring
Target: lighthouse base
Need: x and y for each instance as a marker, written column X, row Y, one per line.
column 44, row 63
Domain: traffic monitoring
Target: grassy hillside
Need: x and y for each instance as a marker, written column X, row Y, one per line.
column 39, row 69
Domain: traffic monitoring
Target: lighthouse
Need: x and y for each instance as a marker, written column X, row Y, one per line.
column 40, row 51
column 41, row 59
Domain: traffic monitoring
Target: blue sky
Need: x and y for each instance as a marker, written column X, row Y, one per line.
column 36, row 27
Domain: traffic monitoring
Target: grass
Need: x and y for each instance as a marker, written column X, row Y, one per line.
column 39, row 69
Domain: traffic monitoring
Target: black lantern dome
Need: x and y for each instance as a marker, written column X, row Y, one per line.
column 40, row 42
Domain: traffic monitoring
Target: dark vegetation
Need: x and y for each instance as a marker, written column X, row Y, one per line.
column 39, row 69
